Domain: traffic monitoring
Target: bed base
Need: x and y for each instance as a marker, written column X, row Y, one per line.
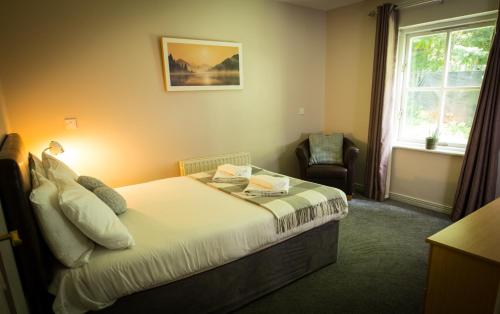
column 235, row 284
column 220, row 290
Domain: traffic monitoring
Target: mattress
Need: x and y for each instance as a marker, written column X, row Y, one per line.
column 181, row 227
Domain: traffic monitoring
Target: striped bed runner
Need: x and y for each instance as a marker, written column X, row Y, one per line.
column 305, row 201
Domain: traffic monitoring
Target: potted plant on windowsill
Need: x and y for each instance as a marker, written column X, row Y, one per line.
column 431, row 141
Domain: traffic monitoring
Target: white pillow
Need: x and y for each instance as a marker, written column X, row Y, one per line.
column 37, row 165
column 92, row 216
column 66, row 242
column 56, row 168
column 36, row 170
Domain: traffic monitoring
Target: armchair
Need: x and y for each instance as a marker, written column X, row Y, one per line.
column 339, row 176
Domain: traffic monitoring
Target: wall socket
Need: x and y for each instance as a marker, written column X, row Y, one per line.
column 71, row 123
column 300, row 111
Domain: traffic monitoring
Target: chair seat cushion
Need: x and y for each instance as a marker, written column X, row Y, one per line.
column 326, row 171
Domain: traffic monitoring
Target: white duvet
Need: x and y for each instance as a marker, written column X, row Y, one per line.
column 181, row 227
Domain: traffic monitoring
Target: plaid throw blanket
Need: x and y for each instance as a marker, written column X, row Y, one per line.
column 305, row 201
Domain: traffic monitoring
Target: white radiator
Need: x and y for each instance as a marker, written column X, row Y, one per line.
column 195, row 165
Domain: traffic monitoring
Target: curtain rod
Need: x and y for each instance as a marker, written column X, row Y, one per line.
column 410, row 4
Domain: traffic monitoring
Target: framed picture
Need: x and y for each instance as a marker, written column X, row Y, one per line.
column 201, row 65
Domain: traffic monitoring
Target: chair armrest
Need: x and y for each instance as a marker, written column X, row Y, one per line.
column 351, row 153
column 302, row 152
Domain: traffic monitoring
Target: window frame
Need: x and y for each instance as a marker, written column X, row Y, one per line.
column 403, row 71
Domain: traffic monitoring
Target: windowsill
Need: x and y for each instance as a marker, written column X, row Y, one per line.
column 443, row 150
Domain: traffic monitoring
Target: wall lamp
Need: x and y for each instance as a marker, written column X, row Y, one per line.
column 55, row 148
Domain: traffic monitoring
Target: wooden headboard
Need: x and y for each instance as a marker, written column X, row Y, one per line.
column 33, row 259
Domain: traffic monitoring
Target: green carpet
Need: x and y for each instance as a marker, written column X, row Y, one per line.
column 381, row 266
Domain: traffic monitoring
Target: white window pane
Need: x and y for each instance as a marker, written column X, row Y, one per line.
column 427, row 60
column 459, row 109
column 421, row 115
column 469, row 54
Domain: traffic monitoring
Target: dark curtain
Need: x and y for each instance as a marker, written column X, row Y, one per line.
column 379, row 150
column 478, row 180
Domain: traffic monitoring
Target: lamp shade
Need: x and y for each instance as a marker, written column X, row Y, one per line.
column 55, row 148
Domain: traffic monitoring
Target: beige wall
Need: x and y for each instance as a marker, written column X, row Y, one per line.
column 423, row 175
column 100, row 61
column 350, row 43
column 349, row 61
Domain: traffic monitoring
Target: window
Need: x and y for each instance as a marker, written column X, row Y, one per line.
column 440, row 80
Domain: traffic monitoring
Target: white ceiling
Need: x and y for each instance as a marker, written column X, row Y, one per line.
column 324, row 5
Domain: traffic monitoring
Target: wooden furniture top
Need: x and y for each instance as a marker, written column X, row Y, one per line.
column 477, row 234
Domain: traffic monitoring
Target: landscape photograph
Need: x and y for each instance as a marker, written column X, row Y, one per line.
column 199, row 65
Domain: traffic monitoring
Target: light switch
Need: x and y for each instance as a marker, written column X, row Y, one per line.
column 300, row 111
column 71, row 123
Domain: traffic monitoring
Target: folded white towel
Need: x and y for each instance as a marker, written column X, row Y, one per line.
column 228, row 173
column 237, row 171
column 265, row 185
column 270, row 182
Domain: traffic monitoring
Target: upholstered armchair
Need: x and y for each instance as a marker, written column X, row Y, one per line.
column 339, row 176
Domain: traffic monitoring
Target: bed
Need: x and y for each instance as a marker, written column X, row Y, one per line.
column 230, row 268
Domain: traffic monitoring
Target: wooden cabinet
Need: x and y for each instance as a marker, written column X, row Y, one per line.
column 464, row 265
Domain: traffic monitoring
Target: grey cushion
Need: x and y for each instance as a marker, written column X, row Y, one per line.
column 90, row 183
column 326, row 149
column 109, row 196
column 112, row 198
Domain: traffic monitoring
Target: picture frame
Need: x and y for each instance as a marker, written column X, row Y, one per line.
column 191, row 64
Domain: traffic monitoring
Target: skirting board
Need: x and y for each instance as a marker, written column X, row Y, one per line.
column 441, row 208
